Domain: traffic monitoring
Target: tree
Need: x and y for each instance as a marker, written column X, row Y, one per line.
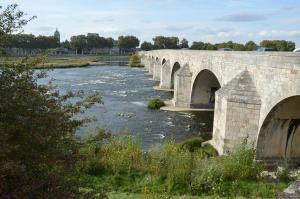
column 280, row 45
column 37, row 130
column 250, row 46
column 95, row 41
column 29, row 41
column 128, row 42
column 44, row 42
column 184, row 43
column 147, row 46
column 198, row 46
column 109, row 42
column 161, row 42
column 238, row 47
column 79, row 43
column 135, row 60
column 66, row 44
column 11, row 20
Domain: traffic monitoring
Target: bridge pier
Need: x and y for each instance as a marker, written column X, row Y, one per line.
column 157, row 70
column 165, row 76
column 151, row 66
column 182, row 87
column 237, row 112
column 146, row 62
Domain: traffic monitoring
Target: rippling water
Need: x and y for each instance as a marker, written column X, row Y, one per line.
column 126, row 92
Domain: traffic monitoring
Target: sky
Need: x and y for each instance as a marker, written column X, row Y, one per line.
column 196, row 20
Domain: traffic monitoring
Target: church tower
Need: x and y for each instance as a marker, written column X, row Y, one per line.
column 57, row 35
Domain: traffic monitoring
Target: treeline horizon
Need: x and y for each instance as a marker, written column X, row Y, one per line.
column 161, row 42
column 90, row 41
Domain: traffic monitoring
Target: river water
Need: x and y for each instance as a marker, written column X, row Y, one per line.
column 126, row 92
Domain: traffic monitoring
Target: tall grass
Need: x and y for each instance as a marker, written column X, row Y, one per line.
column 187, row 168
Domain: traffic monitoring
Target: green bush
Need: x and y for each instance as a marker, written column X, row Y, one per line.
column 155, row 104
column 123, row 154
column 218, row 174
column 173, row 164
column 192, row 144
column 282, row 171
column 135, row 60
column 176, row 169
column 241, row 165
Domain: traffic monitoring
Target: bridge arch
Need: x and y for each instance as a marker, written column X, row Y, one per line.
column 279, row 135
column 203, row 89
column 175, row 69
column 163, row 61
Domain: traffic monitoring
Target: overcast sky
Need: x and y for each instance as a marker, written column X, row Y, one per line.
column 196, row 20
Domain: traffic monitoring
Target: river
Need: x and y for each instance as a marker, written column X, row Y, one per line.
column 126, row 92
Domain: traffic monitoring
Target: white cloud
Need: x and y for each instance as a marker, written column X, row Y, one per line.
column 280, row 33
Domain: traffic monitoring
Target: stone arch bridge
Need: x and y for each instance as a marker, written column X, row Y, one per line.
column 255, row 95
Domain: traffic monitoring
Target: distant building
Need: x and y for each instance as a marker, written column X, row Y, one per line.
column 57, row 35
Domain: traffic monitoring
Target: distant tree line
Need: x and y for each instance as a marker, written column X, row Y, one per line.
column 87, row 42
column 80, row 43
column 130, row 43
column 29, row 41
column 161, row 42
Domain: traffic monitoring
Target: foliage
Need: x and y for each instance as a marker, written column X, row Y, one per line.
column 11, row 20
column 90, row 41
column 172, row 169
column 37, row 128
column 279, row 45
column 155, row 104
column 135, row 60
column 128, row 42
column 193, row 144
column 221, row 175
column 203, row 46
column 282, row 171
column 29, row 41
column 251, row 46
column 209, row 46
column 161, row 42
column 147, row 46
column 184, row 43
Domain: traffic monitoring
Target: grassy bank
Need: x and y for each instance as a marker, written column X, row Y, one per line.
column 68, row 61
column 187, row 170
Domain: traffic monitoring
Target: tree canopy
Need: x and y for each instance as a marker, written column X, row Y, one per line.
column 29, row 41
column 11, row 20
column 128, row 42
column 279, row 45
column 37, row 128
column 161, row 42
column 184, row 43
column 147, row 46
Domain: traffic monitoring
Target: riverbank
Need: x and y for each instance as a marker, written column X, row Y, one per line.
column 190, row 169
column 70, row 61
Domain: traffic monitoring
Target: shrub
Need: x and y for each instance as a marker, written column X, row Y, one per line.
column 37, row 125
column 173, row 165
column 135, row 60
column 155, row 104
column 282, row 171
column 192, row 144
column 218, row 174
column 122, row 154
column 241, row 164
